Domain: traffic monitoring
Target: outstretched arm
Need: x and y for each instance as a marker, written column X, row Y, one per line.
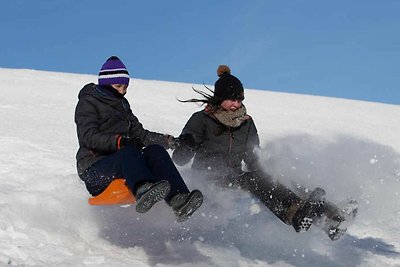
column 192, row 134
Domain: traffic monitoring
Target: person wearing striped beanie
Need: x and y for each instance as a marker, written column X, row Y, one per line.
column 113, row 144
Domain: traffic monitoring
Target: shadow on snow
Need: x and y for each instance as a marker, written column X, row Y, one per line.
column 227, row 221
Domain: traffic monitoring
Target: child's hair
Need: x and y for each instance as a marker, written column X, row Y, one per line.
column 208, row 98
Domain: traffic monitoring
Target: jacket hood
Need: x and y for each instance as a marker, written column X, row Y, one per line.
column 98, row 92
column 88, row 89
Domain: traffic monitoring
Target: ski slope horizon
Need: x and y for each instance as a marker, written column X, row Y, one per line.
column 350, row 148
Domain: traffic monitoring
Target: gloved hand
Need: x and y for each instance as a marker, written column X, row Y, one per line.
column 185, row 140
column 181, row 141
column 123, row 141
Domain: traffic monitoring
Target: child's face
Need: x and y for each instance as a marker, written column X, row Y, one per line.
column 121, row 88
column 231, row 104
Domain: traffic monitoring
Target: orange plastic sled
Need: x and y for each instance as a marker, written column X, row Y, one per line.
column 117, row 193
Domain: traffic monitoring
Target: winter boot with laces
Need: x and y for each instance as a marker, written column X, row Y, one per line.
column 149, row 194
column 184, row 205
column 312, row 208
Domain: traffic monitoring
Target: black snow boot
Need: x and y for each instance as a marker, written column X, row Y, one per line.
column 311, row 209
column 149, row 194
column 184, row 205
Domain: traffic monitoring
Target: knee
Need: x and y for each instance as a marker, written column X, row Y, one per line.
column 154, row 150
column 129, row 151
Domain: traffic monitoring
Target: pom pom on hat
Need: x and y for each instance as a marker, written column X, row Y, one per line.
column 113, row 71
column 223, row 69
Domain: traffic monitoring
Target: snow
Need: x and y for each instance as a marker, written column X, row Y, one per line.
column 350, row 148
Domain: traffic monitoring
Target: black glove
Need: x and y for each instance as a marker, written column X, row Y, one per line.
column 185, row 140
column 129, row 141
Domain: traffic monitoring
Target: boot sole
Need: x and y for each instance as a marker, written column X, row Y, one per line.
column 316, row 200
column 337, row 226
column 156, row 193
column 187, row 210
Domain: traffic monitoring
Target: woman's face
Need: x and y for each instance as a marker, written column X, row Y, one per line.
column 121, row 88
column 231, row 104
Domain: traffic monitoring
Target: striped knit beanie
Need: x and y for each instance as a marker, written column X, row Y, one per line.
column 113, row 71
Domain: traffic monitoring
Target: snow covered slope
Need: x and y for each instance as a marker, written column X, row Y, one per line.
column 350, row 148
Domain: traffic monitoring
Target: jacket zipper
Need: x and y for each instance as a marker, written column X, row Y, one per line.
column 230, row 140
column 129, row 128
column 129, row 122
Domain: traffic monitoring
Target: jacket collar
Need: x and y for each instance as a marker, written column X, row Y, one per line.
column 109, row 91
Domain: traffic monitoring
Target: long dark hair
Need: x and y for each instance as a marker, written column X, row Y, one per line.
column 208, row 99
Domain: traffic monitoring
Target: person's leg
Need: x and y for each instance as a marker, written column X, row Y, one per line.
column 284, row 203
column 162, row 167
column 133, row 168
column 278, row 198
column 183, row 202
column 127, row 163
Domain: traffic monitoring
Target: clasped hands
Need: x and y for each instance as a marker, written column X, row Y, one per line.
column 184, row 140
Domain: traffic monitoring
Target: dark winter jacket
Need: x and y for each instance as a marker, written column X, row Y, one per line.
column 218, row 147
column 101, row 116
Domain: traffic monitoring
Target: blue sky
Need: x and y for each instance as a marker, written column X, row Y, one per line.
column 340, row 48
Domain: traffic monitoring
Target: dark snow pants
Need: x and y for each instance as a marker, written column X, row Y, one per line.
column 277, row 197
column 151, row 164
